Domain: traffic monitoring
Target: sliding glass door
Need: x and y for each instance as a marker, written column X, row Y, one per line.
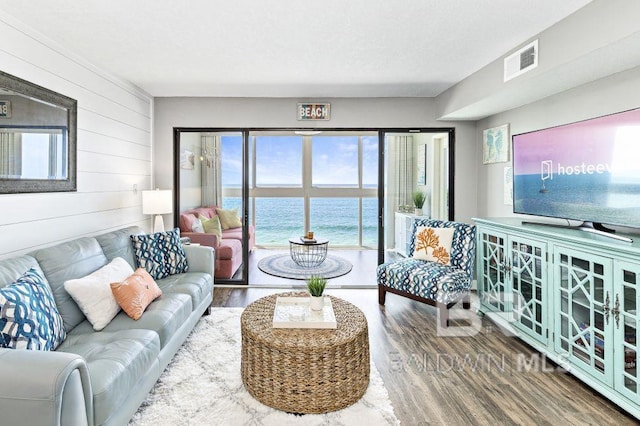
column 415, row 162
column 354, row 188
column 210, row 175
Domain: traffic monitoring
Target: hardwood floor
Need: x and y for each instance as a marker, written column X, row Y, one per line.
column 476, row 380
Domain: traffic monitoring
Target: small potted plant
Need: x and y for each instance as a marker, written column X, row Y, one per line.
column 419, row 198
column 316, row 285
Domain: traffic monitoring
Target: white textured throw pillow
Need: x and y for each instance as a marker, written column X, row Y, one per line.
column 196, row 226
column 93, row 292
column 433, row 244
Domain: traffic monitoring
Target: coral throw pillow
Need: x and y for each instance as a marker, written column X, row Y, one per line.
column 433, row 244
column 136, row 292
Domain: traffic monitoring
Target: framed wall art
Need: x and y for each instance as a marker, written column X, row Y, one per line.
column 496, row 145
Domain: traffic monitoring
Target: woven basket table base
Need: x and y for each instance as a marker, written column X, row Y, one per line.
column 307, row 371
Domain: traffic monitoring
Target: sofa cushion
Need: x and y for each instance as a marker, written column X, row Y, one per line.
column 187, row 221
column 118, row 244
column 28, row 315
column 188, row 217
column 232, row 233
column 66, row 261
column 196, row 285
column 164, row 317
column 117, row 362
column 13, row 268
column 161, row 253
column 228, row 249
column 93, row 293
column 209, row 211
column 431, row 280
column 136, row 292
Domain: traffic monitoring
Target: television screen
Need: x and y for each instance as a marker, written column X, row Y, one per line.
column 588, row 171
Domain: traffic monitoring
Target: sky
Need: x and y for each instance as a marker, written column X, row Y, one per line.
column 279, row 160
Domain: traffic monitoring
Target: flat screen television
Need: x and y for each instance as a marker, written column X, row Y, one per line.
column 587, row 171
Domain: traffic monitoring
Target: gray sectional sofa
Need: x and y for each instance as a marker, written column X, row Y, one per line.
column 99, row 377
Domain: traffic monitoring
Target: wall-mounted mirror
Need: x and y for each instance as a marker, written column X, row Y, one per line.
column 37, row 138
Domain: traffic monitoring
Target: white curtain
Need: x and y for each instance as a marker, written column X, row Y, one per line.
column 10, row 155
column 211, row 171
column 402, row 147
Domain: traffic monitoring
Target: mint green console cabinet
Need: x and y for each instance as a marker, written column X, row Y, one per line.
column 513, row 269
column 583, row 290
column 572, row 295
column 492, row 274
column 627, row 321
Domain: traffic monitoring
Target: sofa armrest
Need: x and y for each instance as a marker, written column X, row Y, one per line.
column 44, row 388
column 210, row 240
column 200, row 258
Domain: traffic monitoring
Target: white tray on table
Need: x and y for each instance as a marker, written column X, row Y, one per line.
column 295, row 312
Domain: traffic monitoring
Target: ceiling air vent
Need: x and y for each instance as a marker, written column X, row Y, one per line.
column 525, row 59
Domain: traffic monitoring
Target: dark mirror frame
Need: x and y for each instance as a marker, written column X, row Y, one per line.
column 23, row 87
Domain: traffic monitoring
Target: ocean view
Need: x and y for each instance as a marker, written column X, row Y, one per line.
column 278, row 219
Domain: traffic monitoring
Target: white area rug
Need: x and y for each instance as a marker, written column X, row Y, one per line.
column 203, row 386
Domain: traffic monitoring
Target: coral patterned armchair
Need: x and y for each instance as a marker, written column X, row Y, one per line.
column 438, row 269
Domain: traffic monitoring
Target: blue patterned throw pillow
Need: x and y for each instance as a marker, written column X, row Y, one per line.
column 149, row 255
column 29, row 318
column 175, row 257
column 161, row 254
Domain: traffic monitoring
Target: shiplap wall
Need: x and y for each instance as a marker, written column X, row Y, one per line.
column 113, row 150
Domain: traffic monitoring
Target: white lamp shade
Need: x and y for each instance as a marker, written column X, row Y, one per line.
column 157, row 202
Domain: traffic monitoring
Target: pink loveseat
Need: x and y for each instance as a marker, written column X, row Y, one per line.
column 228, row 250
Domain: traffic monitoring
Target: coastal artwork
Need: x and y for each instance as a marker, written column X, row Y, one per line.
column 187, row 160
column 495, row 145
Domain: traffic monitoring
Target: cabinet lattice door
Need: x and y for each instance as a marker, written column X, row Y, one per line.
column 583, row 303
column 492, row 270
column 528, row 278
column 627, row 321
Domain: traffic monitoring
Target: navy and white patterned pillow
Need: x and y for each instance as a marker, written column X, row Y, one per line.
column 175, row 256
column 161, row 254
column 149, row 255
column 29, row 318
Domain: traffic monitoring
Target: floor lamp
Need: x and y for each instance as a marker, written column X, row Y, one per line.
column 157, row 202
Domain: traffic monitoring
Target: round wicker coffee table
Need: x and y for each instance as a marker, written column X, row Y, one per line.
column 305, row 370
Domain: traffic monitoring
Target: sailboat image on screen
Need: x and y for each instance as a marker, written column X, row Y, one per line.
column 546, row 172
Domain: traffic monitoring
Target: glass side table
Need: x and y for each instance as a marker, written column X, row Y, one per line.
column 308, row 254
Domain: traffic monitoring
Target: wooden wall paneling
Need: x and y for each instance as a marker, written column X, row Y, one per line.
column 101, row 144
column 45, row 232
column 114, row 147
column 91, row 181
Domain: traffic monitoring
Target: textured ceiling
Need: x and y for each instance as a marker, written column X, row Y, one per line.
column 291, row 48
